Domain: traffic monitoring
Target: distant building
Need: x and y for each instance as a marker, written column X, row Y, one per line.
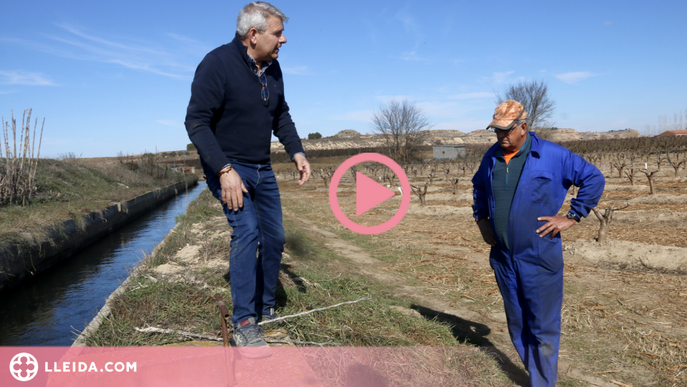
column 673, row 133
column 449, row 151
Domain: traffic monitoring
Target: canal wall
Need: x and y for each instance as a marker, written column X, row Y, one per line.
column 21, row 262
column 105, row 311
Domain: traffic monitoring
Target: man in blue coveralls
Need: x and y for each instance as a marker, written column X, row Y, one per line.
column 518, row 190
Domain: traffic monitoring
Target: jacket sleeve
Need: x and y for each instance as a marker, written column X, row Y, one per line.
column 284, row 128
column 207, row 102
column 285, row 131
column 480, row 205
column 589, row 179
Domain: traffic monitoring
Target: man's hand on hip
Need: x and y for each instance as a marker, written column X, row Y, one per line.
column 232, row 189
column 554, row 225
column 485, row 230
column 303, row 167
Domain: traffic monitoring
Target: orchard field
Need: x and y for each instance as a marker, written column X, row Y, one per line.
column 625, row 307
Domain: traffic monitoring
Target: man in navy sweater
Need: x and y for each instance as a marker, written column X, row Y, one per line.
column 237, row 103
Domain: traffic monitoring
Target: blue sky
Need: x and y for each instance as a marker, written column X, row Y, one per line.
column 115, row 77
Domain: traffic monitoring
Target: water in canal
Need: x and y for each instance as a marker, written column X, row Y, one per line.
column 49, row 309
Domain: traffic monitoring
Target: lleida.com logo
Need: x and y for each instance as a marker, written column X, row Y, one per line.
column 24, row 367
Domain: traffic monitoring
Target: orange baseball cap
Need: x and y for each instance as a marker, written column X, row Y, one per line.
column 506, row 113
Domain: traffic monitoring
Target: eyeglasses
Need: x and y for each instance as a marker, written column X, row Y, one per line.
column 265, row 92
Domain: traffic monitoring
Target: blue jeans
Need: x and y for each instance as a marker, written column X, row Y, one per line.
column 257, row 227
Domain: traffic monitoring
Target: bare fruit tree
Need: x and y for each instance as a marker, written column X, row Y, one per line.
column 674, row 160
column 454, row 183
column 420, row 192
column 631, row 170
column 533, row 95
column 354, row 171
column 620, row 162
column 605, row 220
column 650, row 176
column 326, row 175
column 404, row 128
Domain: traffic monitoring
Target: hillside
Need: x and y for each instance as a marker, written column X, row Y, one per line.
column 347, row 139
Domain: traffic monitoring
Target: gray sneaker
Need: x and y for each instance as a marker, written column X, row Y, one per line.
column 268, row 316
column 249, row 341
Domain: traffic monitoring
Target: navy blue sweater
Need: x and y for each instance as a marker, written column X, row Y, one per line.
column 226, row 119
column 504, row 182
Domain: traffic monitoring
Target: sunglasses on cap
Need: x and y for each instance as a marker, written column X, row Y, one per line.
column 506, row 130
column 509, row 127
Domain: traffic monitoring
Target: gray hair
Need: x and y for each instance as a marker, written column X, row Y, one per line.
column 254, row 15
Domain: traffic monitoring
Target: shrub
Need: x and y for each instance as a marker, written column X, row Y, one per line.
column 18, row 175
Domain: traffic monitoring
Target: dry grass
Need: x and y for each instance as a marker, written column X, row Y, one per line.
column 70, row 189
column 625, row 331
column 312, row 276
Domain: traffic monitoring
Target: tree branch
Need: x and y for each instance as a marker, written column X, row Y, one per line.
column 312, row 311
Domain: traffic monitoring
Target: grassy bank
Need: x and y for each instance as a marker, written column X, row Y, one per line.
column 69, row 189
column 174, row 288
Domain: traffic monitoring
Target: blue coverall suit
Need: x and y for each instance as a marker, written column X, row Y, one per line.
column 530, row 275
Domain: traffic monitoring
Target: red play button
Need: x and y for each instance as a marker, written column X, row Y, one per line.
column 369, row 193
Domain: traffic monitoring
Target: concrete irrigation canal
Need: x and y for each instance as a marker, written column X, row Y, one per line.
column 52, row 308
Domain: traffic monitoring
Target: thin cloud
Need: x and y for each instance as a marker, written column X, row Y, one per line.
column 499, row 78
column 607, row 23
column 477, row 95
column 190, row 45
column 439, row 109
column 105, row 43
column 574, row 76
column 24, row 78
column 413, row 28
column 302, row 70
column 409, row 23
column 174, row 58
column 412, row 56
